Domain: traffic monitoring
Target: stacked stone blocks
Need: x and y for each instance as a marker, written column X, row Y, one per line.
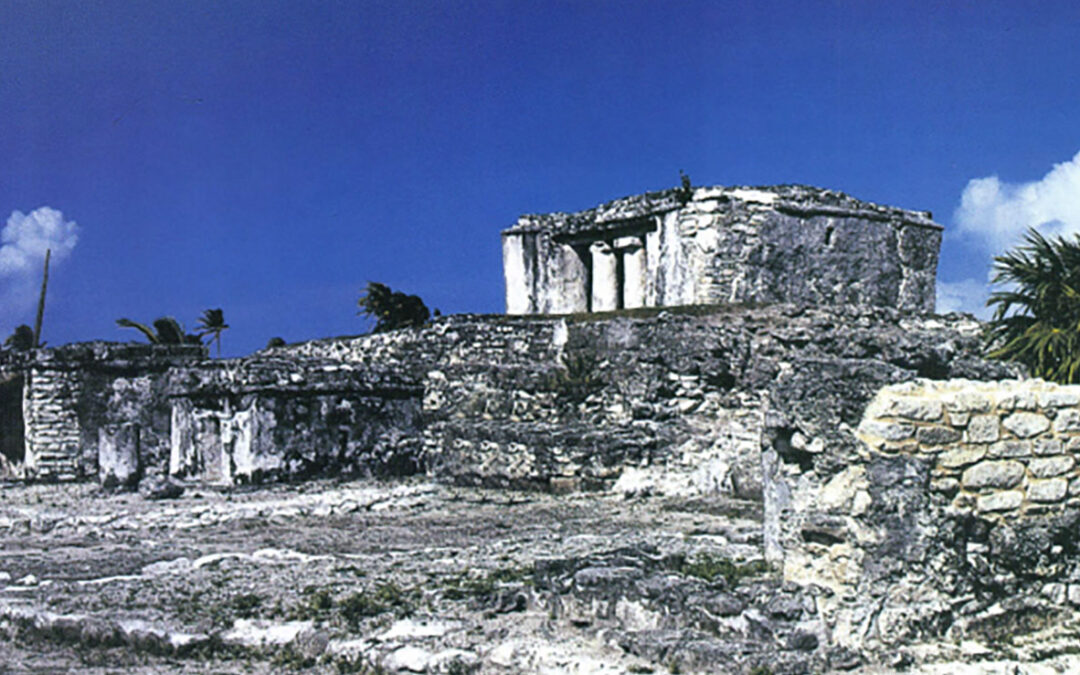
column 1007, row 449
column 49, row 408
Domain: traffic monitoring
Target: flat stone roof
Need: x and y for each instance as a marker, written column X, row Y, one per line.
column 799, row 200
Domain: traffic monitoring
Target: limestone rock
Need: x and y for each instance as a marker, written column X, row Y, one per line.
column 1002, row 474
column 1000, row 501
column 156, row 487
column 937, row 435
column 961, row 456
column 1052, row 490
column 983, row 429
column 1026, row 424
column 1067, row 420
column 1010, row 449
column 1047, row 467
column 409, row 659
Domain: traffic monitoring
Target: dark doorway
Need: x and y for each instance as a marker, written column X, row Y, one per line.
column 12, row 440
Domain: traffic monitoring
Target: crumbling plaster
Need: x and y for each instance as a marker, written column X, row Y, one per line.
column 722, row 245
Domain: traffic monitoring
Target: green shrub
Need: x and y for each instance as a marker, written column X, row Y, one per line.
column 710, row 567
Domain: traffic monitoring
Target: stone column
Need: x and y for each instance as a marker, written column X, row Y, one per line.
column 605, row 282
column 118, row 455
column 520, row 294
column 572, row 280
column 633, row 254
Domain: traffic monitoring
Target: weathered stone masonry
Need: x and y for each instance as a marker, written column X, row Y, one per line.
column 956, row 518
column 252, row 420
column 722, row 245
column 72, row 399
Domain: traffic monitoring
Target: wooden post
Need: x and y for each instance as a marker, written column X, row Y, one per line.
column 41, row 301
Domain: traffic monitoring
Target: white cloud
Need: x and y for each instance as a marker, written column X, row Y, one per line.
column 23, row 242
column 968, row 296
column 26, row 237
column 994, row 215
column 999, row 213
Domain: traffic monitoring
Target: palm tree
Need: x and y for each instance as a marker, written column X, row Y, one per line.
column 1037, row 318
column 21, row 340
column 392, row 309
column 166, row 331
column 212, row 322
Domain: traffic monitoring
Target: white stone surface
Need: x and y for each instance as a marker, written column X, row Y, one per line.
column 260, row 633
column 518, row 283
column 1052, row 490
column 1026, row 424
column 1001, row 474
column 983, row 429
column 408, row 658
column 605, row 292
column 634, row 276
column 1000, row 501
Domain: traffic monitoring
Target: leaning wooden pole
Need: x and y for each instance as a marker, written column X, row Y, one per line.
column 41, row 301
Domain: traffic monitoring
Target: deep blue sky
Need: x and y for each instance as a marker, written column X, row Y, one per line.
column 269, row 158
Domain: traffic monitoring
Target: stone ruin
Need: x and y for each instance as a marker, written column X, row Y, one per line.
column 717, row 245
column 909, row 489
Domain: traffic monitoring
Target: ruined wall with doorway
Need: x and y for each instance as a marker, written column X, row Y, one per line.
column 722, row 245
column 682, row 400
column 75, row 398
column 264, row 419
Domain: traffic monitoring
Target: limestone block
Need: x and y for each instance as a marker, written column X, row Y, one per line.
column 1026, row 424
column 1018, row 400
column 962, row 456
column 983, row 429
column 1047, row 467
column 840, row 490
column 1047, row 446
column 959, row 419
column 969, row 402
column 1010, row 449
column 1059, row 398
column 889, row 431
column 947, row 485
column 1055, row 593
column 937, row 435
column 911, row 408
column 1052, row 490
column 1067, row 420
column 1001, row 501
column 1074, row 594
column 1002, row 474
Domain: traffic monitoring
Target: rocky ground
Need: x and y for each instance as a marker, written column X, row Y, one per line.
column 408, row 577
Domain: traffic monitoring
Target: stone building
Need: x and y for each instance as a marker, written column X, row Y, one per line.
column 59, row 407
column 717, row 245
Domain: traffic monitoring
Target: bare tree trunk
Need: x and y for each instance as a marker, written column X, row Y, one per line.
column 41, row 301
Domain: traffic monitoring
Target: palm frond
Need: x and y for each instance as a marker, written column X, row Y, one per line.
column 142, row 328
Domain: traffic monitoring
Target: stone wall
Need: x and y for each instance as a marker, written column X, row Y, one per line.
column 77, row 396
column 1006, row 449
column 955, row 520
column 252, row 420
column 52, row 425
column 722, row 245
column 680, row 401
